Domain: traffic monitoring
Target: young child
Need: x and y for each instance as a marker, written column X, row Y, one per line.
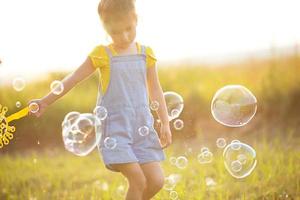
column 128, row 77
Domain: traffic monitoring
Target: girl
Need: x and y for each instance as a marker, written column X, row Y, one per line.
column 128, row 76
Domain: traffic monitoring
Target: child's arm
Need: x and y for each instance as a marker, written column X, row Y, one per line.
column 156, row 94
column 68, row 82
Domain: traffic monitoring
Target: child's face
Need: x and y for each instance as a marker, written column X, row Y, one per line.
column 123, row 31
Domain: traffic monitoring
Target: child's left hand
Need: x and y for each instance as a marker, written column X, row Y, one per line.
column 165, row 136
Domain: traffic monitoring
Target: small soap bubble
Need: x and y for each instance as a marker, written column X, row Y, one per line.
column 100, row 112
column 210, row 182
column 154, row 105
column 233, row 106
column 172, row 160
column 242, row 158
column 169, row 183
column 173, row 195
column 18, row 104
column 57, row 87
column 178, row 124
column 34, row 107
column 110, row 143
column 19, row 84
column 181, row 162
column 174, row 102
column 143, row 131
column 203, row 149
column 236, row 166
column 236, row 144
column 221, row 143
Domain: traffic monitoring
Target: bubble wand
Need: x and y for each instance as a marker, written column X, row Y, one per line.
column 6, row 131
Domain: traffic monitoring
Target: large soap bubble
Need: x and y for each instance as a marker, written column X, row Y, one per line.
column 239, row 162
column 233, row 106
column 174, row 104
column 81, row 132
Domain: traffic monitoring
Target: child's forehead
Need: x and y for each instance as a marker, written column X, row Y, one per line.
column 120, row 23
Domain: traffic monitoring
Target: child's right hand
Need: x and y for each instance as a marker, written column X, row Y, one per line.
column 42, row 105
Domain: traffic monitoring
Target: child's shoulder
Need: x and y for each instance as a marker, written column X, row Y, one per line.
column 148, row 51
column 99, row 51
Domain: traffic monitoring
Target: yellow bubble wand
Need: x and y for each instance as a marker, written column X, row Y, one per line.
column 6, row 131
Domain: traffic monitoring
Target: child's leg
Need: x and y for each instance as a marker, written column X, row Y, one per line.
column 135, row 177
column 155, row 179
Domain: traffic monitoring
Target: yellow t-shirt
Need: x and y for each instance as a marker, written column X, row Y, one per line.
column 100, row 60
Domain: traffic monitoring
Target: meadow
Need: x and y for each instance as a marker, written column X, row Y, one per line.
column 35, row 164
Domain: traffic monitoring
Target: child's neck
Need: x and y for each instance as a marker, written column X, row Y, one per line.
column 131, row 49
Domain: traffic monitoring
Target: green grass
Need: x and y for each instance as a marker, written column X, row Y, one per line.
column 58, row 174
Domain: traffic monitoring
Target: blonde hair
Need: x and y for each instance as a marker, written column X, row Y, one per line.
column 113, row 10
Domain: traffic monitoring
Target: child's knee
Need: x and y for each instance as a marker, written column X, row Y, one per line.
column 156, row 182
column 138, row 182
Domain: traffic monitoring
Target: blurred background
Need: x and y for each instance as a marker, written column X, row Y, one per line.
column 201, row 46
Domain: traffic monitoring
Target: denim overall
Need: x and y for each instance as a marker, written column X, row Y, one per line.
column 126, row 100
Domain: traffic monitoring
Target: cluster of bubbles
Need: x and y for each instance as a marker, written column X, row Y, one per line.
column 235, row 106
column 180, row 162
column 240, row 159
column 205, row 156
column 81, row 132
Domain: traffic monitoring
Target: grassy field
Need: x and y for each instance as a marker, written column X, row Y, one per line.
column 35, row 165
column 57, row 174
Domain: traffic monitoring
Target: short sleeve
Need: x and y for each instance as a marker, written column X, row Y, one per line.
column 99, row 57
column 150, row 57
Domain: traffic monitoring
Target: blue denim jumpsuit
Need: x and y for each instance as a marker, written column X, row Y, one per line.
column 126, row 100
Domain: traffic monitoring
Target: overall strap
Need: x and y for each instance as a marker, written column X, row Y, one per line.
column 143, row 49
column 108, row 51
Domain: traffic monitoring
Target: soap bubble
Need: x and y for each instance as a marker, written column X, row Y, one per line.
column 69, row 119
column 81, row 132
column 173, row 195
column 242, row 158
column 110, row 143
column 34, row 107
column 210, row 182
column 100, row 112
column 181, row 162
column 236, row 166
column 172, row 160
column 174, row 104
column 233, row 106
column 171, row 181
column 178, row 124
column 57, row 87
column 203, row 149
column 235, row 144
column 18, row 84
column 143, row 131
column 154, row 105
column 239, row 162
column 205, row 157
column 221, row 143
column 169, row 184
column 18, row 104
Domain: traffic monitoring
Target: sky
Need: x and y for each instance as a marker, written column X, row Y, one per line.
column 38, row 36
